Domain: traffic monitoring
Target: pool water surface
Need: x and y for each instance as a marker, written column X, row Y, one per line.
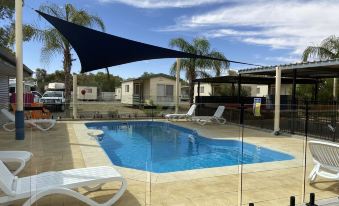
column 162, row 147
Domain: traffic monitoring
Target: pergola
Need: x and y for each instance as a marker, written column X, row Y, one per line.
column 312, row 70
column 257, row 80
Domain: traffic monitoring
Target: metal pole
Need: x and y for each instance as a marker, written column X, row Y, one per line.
column 19, row 114
column 177, row 85
column 75, row 96
column 277, row 101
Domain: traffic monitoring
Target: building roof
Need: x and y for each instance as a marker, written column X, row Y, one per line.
column 258, row 80
column 150, row 76
column 8, row 64
column 315, row 69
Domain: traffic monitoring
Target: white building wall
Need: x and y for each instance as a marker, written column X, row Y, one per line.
column 127, row 96
column 205, row 89
column 262, row 91
column 153, row 90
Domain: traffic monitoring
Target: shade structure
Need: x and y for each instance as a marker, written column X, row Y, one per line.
column 97, row 50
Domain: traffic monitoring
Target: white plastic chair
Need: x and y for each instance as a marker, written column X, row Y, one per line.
column 217, row 117
column 21, row 157
column 63, row 182
column 34, row 122
column 188, row 115
column 326, row 158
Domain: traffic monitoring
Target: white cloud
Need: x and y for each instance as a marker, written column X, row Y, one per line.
column 275, row 23
column 152, row 4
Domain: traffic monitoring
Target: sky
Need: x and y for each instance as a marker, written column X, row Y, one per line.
column 263, row 32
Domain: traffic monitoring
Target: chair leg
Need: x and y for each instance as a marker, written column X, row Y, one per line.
column 7, row 129
column 95, row 188
column 21, row 167
column 314, row 173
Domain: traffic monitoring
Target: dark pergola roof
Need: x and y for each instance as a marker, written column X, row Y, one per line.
column 253, row 80
column 316, row 69
column 97, row 50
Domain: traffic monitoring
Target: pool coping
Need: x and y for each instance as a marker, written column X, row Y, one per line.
column 94, row 155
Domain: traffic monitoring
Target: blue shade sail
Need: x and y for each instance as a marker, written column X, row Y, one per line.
column 98, row 50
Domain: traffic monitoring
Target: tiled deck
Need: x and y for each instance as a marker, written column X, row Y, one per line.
column 67, row 146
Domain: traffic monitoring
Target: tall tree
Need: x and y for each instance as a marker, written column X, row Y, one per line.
column 328, row 49
column 198, row 67
column 7, row 32
column 54, row 43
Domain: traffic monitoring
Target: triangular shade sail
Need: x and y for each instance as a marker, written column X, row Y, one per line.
column 98, row 50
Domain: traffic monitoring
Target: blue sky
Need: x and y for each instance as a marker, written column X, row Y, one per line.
column 265, row 32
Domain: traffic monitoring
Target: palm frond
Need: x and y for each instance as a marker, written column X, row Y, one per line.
column 317, row 52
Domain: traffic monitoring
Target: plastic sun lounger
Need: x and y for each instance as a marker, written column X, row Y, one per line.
column 21, row 157
column 326, row 159
column 217, row 117
column 34, row 122
column 188, row 115
column 63, row 182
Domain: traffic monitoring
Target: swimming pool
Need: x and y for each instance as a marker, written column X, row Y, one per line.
column 163, row 147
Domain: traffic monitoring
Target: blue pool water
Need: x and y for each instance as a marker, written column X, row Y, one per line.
column 163, row 147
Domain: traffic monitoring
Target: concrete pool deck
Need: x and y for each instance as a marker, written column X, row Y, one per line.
column 68, row 146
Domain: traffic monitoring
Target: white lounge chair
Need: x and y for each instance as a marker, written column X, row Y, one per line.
column 63, row 182
column 21, row 157
column 33, row 122
column 326, row 158
column 188, row 115
column 217, row 117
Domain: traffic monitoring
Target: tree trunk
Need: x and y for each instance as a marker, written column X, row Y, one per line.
column 191, row 77
column 67, row 69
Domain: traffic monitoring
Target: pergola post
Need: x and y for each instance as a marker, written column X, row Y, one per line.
column 177, row 86
column 335, row 83
column 277, row 100
column 294, row 102
column 239, row 89
column 75, row 96
column 19, row 113
column 316, row 92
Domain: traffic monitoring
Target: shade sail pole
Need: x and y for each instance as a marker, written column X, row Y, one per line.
column 19, row 113
column 177, row 86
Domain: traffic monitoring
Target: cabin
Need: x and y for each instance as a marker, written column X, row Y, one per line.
column 153, row 89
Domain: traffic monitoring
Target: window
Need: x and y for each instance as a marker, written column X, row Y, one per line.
column 202, row 89
column 126, row 88
column 258, row 90
column 165, row 90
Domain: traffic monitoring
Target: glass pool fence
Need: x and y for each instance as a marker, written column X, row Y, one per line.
column 210, row 154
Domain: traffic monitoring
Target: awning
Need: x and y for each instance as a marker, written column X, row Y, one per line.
column 316, row 69
column 97, row 50
column 256, row 80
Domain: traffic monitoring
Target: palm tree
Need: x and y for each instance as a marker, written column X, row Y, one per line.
column 198, row 67
column 54, row 43
column 328, row 49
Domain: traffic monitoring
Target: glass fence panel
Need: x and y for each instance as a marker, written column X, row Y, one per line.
column 322, row 151
column 273, row 158
column 195, row 158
